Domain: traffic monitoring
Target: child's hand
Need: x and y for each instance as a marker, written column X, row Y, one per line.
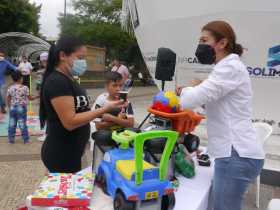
column 107, row 117
column 31, row 98
column 122, row 116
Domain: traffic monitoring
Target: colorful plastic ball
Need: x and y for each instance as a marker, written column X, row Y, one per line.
column 166, row 102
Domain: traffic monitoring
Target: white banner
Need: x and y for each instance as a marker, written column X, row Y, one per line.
column 177, row 24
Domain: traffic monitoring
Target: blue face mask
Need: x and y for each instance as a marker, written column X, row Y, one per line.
column 79, row 67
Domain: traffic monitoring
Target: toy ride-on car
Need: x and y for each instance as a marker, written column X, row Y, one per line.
column 133, row 183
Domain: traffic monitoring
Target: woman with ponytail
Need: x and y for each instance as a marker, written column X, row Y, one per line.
column 64, row 107
column 227, row 96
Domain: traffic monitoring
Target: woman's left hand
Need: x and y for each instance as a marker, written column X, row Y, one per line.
column 178, row 90
column 115, row 104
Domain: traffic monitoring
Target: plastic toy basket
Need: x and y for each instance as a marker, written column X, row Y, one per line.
column 182, row 122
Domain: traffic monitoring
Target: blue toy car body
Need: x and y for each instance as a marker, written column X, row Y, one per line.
column 133, row 183
column 151, row 187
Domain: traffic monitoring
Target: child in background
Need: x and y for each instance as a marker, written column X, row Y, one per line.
column 17, row 100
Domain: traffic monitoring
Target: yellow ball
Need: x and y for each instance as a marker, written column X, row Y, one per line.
column 173, row 100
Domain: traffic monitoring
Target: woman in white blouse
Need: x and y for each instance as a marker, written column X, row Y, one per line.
column 227, row 96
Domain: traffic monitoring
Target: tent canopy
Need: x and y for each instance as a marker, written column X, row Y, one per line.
column 17, row 44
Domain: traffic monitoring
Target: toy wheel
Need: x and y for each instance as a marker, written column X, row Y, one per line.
column 120, row 203
column 168, row 202
column 101, row 181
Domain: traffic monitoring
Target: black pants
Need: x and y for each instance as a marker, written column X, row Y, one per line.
column 26, row 81
column 58, row 161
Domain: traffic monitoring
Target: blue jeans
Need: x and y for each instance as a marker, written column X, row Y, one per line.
column 232, row 177
column 2, row 98
column 18, row 115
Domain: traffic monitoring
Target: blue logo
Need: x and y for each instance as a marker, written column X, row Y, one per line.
column 263, row 72
column 271, row 70
column 274, row 56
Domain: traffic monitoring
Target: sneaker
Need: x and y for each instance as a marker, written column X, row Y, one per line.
column 3, row 110
column 41, row 138
column 11, row 142
column 27, row 142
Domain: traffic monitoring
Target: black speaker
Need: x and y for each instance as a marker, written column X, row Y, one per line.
column 166, row 62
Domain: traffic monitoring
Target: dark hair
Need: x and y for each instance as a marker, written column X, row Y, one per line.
column 66, row 44
column 16, row 76
column 113, row 76
column 220, row 30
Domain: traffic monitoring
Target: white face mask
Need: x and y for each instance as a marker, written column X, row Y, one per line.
column 79, row 67
column 1, row 58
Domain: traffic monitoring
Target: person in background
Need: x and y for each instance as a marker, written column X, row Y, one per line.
column 41, row 71
column 26, row 69
column 5, row 65
column 227, row 96
column 64, row 107
column 15, row 63
column 39, row 80
column 17, row 100
column 122, row 69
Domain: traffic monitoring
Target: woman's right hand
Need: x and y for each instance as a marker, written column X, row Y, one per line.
column 114, row 104
column 196, row 82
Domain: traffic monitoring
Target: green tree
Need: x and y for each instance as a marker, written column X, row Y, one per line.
column 19, row 16
column 97, row 22
column 99, row 10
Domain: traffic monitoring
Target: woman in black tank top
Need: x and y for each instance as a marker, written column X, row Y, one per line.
column 64, row 107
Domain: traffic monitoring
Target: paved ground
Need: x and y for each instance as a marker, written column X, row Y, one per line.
column 21, row 169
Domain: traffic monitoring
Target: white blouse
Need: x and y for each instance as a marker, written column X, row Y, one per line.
column 227, row 95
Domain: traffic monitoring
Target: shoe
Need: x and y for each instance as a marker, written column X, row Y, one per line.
column 27, row 142
column 41, row 138
column 3, row 110
column 11, row 142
